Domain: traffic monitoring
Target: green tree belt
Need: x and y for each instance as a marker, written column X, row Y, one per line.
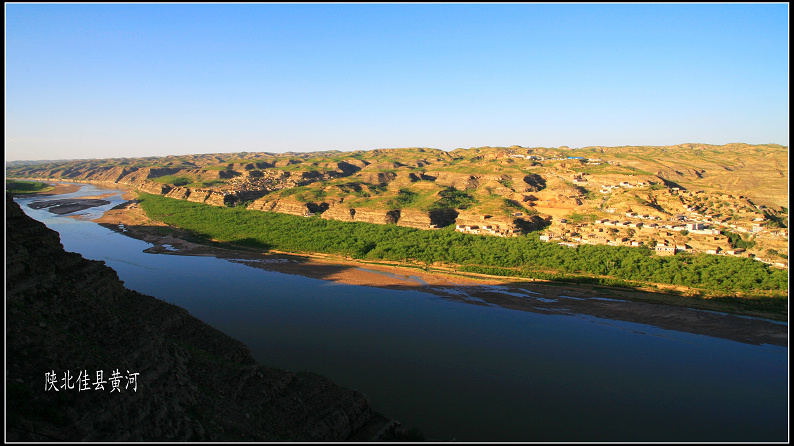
column 523, row 256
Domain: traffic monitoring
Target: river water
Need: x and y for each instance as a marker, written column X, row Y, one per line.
column 460, row 371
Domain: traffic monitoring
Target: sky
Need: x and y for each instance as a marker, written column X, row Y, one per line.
column 135, row 80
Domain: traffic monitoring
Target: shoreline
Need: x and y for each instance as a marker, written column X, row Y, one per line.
column 695, row 315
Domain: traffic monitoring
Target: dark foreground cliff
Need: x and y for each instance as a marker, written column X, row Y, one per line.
column 179, row 379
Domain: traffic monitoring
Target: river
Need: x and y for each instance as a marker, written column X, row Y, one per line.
column 460, row 371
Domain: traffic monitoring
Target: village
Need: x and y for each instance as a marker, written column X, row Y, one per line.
column 699, row 225
column 643, row 210
column 646, row 211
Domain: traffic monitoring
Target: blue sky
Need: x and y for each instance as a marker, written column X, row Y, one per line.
column 127, row 80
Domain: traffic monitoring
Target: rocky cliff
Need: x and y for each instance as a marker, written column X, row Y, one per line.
column 286, row 206
column 380, row 217
column 179, row 379
column 414, row 219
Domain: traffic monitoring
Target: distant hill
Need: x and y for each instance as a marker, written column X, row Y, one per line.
column 18, row 163
column 373, row 180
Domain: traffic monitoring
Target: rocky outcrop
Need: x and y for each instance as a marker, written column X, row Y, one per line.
column 356, row 163
column 263, row 205
column 406, row 217
column 458, row 181
column 180, row 193
column 681, row 172
column 207, row 196
column 281, row 206
column 136, row 176
column 198, row 195
column 151, row 187
column 534, row 182
column 414, row 219
column 286, row 162
column 443, row 217
column 68, row 315
column 340, row 213
column 216, row 198
column 292, row 208
column 345, row 168
column 377, row 167
column 377, row 177
column 111, row 175
column 376, row 217
column 361, row 215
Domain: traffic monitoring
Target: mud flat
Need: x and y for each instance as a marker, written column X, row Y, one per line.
column 68, row 205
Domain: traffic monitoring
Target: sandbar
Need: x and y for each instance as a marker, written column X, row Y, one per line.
column 67, row 205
